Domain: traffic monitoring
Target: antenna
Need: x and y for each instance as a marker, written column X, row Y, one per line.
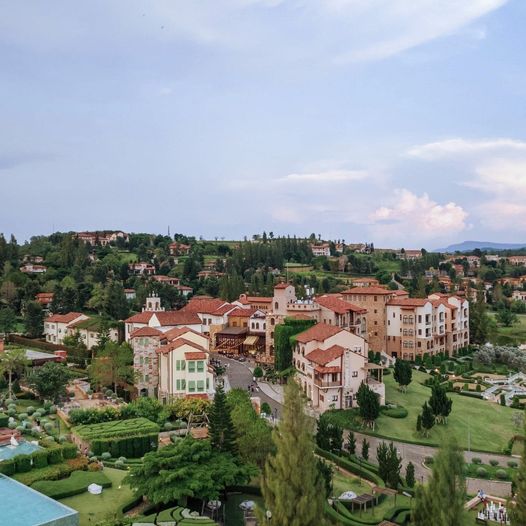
column 168, row 230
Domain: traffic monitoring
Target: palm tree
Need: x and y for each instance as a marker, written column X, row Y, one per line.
column 11, row 362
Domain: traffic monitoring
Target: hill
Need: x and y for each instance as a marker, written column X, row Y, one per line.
column 467, row 246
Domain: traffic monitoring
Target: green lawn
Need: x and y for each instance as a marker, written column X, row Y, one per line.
column 514, row 335
column 95, row 508
column 490, row 424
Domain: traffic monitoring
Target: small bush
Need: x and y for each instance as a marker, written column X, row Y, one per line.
column 476, row 460
column 395, row 412
column 30, row 410
column 8, row 467
column 122, row 459
column 69, row 451
column 501, row 474
column 512, row 464
column 494, row 462
column 428, row 461
column 119, row 464
column 168, row 426
column 106, row 455
column 482, row 473
column 93, row 466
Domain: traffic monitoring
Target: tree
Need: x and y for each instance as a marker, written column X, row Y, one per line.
column 326, row 472
column 403, row 374
column 7, row 320
column 506, row 317
column 34, row 319
column 292, row 487
column 115, row 303
column 351, row 443
column 189, row 468
column 389, row 464
column 11, row 362
column 419, row 424
column 365, row 449
column 518, row 512
column 410, row 475
column 481, row 326
column 50, row 380
column 113, row 366
column 441, row 502
column 440, row 404
column 369, row 405
column 427, row 419
column 221, row 429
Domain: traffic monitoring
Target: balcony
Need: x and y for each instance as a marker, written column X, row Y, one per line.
column 326, row 383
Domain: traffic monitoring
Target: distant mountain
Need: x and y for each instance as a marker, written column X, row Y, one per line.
column 467, row 246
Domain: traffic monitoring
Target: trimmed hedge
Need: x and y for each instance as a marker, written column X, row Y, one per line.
column 23, row 463
column 395, row 412
column 4, row 420
column 75, row 484
column 8, row 467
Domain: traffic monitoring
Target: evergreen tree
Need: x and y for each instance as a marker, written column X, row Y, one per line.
column 322, row 433
column 221, row 429
column 7, row 320
column 351, row 443
column 427, row 419
column 403, row 374
column 389, row 464
column 441, row 502
column 115, row 302
column 410, row 475
column 292, row 487
column 369, row 405
column 518, row 512
column 336, row 438
column 365, row 449
column 419, row 424
column 34, row 319
column 440, row 404
column 481, row 327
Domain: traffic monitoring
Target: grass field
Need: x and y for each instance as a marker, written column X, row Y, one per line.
column 514, row 335
column 95, row 508
column 488, row 425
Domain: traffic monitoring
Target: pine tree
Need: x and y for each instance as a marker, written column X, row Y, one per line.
column 441, row 502
column 365, row 449
column 292, row 487
column 440, row 404
column 221, row 429
column 428, row 419
column 369, row 405
column 351, row 443
column 518, row 512
column 403, row 374
column 419, row 424
column 410, row 475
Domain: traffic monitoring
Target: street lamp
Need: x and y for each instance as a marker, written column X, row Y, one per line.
column 268, row 515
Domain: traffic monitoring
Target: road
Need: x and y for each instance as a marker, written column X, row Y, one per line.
column 239, row 376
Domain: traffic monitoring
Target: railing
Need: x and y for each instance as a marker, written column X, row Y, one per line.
column 322, row 383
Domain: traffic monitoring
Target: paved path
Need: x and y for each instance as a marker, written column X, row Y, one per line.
column 239, row 375
column 416, row 454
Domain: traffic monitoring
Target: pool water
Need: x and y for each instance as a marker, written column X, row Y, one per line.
column 23, row 448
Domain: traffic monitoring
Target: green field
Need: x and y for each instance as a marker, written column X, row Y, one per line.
column 488, row 425
column 514, row 335
column 95, row 508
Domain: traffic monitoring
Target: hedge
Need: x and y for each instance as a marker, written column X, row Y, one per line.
column 395, row 412
column 8, row 467
column 392, row 514
column 40, row 459
column 129, row 447
column 4, row 420
column 23, row 463
column 338, row 519
column 342, row 510
column 75, row 484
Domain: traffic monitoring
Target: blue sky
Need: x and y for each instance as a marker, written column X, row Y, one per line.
column 399, row 122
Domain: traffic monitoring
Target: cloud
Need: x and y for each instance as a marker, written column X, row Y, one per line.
column 329, row 176
column 456, row 147
column 501, row 176
column 419, row 215
column 503, row 215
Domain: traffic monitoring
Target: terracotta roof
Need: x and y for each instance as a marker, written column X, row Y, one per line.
column 377, row 291
column 145, row 331
column 259, row 299
column 281, row 285
column 323, row 357
column 242, row 313
column 184, row 287
column 63, row 318
column 338, row 305
column 177, row 317
column 224, row 309
column 141, row 317
column 319, row 332
column 409, row 302
column 325, row 370
column 129, row 290
column 204, row 305
column 180, row 342
column 399, row 292
column 172, row 334
column 195, row 355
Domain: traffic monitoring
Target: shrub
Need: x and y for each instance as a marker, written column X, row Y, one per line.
column 482, row 473
column 122, row 459
column 93, row 466
column 55, row 456
column 512, row 464
column 476, row 460
column 39, row 459
column 119, row 464
column 106, row 455
column 168, row 426
column 48, row 426
column 23, row 463
column 7, row 467
column 30, row 410
column 428, row 461
column 93, row 416
column 75, row 484
column 395, row 412
column 501, row 474
column 4, row 420
column 11, row 425
column 69, row 451
column 494, row 462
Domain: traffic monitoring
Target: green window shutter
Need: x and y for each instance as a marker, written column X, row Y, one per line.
column 191, row 366
column 191, row 386
column 200, row 366
column 183, row 365
column 183, row 385
column 207, row 384
column 178, row 365
column 200, row 385
column 178, row 385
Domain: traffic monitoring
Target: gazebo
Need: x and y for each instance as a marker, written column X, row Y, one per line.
column 379, row 490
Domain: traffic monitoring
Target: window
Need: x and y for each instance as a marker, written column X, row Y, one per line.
column 334, row 398
column 180, row 365
column 178, row 385
column 200, row 366
column 191, row 366
column 191, row 386
column 146, row 360
column 200, row 385
column 276, row 305
column 207, row 384
column 272, row 321
column 355, row 374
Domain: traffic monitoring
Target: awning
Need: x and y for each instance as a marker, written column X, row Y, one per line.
column 251, row 340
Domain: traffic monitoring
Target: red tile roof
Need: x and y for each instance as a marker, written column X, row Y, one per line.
column 259, row 299
column 203, row 305
column 242, row 313
column 175, row 333
column 145, row 332
column 338, row 305
column 141, row 317
column 368, row 290
column 63, row 318
column 195, row 355
column 180, row 342
column 323, row 357
column 319, row 332
column 325, row 370
column 409, row 302
column 177, row 317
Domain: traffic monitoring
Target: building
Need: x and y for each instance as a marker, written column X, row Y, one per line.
column 90, row 331
column 56, row 326
column 142, row 269
column 179, row 249
column 45, row 299
column 32, row 268
column 331, row 364
column 167, row 280
column 516, row 260
column 322, row 249
column 145, row 342
column 365, row 282
column 130, row 294
column 409, row 255
column 263, row 303
column 519, row 295
column 102, row 238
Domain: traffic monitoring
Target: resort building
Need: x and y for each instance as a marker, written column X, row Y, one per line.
column 322, row 249
column 56, row 325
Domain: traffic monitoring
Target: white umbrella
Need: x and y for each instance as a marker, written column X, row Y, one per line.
column 348, row 495
column 95, row 489
column 247, row 505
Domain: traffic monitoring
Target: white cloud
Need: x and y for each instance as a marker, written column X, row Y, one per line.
column 458, row 146
column 503, row 215
column 329, row 176
column 501, row 176
column 419, row 216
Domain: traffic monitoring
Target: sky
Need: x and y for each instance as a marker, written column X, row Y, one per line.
column 401, row 122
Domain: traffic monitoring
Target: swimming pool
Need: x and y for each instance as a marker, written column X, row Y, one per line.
column 23, row 506
column 23, row 448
